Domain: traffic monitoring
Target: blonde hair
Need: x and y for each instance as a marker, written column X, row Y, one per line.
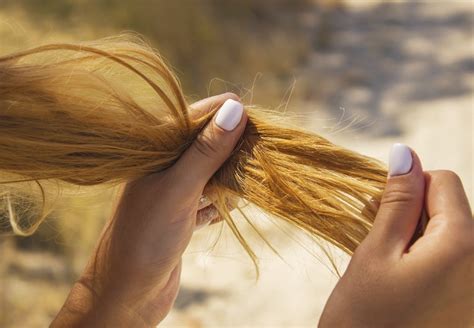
column 109, row 111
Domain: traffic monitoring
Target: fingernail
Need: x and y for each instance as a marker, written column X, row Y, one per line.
column 400, row 160
column 205, row 217
column 229, row 115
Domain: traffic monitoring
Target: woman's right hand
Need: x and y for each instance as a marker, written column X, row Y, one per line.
column 392, row 282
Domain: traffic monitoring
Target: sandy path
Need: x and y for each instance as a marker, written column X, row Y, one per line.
column 405, row 72
column 419, row 92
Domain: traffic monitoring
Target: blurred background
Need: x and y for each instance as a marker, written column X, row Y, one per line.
column 364, row 74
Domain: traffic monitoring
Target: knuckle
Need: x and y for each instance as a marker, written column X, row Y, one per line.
column 396, row 196
column 231, row 95
column 447, row 176
column 205, row 146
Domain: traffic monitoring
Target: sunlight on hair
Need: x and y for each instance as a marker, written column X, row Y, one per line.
column 110, row 111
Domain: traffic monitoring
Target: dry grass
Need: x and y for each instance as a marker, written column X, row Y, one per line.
column 34, row 283
column 36, row 272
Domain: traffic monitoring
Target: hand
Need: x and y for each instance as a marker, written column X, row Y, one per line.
column 393, row 283
column 133, row 277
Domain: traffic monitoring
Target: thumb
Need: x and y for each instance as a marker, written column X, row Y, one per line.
column 213, row 146
column 402, row 201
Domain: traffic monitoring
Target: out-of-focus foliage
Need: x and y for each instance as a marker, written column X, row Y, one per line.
column 230, row 41
column 403, row 66
column 206, row 39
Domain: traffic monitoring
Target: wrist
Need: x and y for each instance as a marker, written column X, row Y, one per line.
column 85, row 308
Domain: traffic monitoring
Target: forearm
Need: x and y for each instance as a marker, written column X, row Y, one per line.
column 85, row 309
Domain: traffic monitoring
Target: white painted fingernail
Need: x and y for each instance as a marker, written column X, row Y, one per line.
column 229, row 115
column 400, row 160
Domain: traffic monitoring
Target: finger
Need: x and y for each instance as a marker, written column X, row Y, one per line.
column 211, row 148
column 206, row 216
column 402, row 202
column 204, row 201
column 447, row 238
column 208, row 213
column 207, row 105
column 371, row 208
column 210, row 196
column 445, row 197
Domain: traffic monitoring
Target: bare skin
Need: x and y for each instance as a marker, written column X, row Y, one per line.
column 392, row 283
column 133, row 277
column 132, row 280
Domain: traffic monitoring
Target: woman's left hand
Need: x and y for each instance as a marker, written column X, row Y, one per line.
column 133, row 276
